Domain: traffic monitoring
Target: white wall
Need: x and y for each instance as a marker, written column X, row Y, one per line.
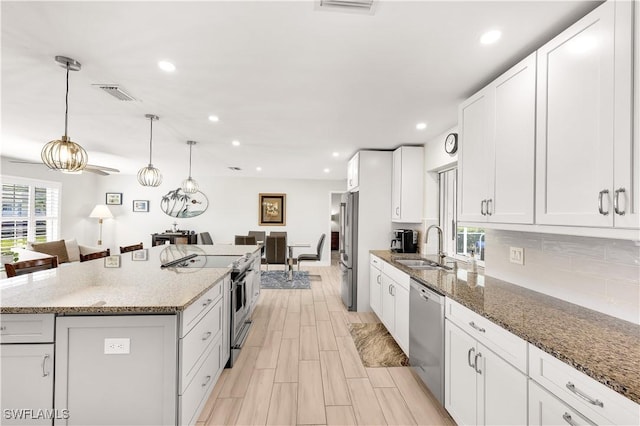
column 233, row 207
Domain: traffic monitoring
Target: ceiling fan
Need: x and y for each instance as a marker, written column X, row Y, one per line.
column 92, row 168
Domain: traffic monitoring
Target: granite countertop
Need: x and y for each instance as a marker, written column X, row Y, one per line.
column 136, row 286
column 601, row 346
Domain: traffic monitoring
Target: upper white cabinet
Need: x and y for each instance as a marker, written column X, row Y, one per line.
column 353, row 172
column 408, row 183
column 497, row 149
column 587, row 158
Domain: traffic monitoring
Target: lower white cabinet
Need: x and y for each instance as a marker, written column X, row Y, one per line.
column 480, row 387
column 395, row 304
column 547, row 410
column 27, row 384
column 375, row 286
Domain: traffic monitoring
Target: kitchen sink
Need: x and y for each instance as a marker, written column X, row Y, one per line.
column 421, row 264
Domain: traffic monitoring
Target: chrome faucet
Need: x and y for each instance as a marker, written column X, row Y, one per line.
column 441, row 254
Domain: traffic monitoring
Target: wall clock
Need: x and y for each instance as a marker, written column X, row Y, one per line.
column 451, row 143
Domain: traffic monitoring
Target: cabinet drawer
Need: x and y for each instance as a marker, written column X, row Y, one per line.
column 197, row 309
column 26, row 328
column 195, row 344
column 375, row 261
column 577, row 389
column 545, row 409
column 400, row 278
column 507, row 345
column 194, row 397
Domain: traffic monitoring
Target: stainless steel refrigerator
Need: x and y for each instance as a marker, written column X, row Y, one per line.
column 349, row 249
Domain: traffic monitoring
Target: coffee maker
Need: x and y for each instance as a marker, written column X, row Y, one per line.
column 404, row 241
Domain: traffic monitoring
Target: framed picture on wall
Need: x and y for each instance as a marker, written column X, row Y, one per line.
column 272, row 209
column 140, row 205
column 113, row 198
column 112, row 261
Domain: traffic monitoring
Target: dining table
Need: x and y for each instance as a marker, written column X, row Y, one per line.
column 290, row 258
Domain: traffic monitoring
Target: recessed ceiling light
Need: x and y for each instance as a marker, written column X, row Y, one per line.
column 335, row 154
column 421, row 126
column 235, row 143
column 490, row 37
column 214, row 118
column 259, row 168
column 326, row 170
column 166, row 66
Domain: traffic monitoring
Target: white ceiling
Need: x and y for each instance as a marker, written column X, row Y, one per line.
column 293, row 84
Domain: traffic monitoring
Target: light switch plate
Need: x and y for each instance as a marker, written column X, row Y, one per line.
column 516, row 255
column 117, row 346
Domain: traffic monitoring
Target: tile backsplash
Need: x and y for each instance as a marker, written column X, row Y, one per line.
column 598, row 273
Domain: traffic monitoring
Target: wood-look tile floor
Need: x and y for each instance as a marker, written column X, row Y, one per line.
column 299, row 366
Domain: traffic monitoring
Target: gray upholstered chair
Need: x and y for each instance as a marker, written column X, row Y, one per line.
column 276, row 251
column 260, row 235
column 245, row 240
column 205, row 239
column 29, row 266
column 310, row 256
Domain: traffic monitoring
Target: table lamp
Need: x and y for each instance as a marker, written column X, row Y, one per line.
column 101, row 212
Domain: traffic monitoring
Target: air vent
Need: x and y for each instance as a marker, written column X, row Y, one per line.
column 115, row 91
column 353, row 6
column 235, row 169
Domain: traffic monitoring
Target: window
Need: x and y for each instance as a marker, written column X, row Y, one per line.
column 460, row 240
column 30, row 211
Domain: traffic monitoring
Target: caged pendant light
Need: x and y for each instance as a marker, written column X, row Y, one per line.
column 64, row 154
column 189, row 185
column 150, row 176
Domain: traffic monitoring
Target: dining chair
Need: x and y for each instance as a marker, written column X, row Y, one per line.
column 29, row 266
column 276, row 251
column 205, row 238
column 278, row 234
column 310, row 256
column 96, row 255
column 258, row 234
column 245, row 240
column 133, row 247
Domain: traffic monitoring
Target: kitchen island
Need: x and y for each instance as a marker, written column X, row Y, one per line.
column 131, row 342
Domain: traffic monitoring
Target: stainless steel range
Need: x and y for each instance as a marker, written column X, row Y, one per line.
column 239, row 316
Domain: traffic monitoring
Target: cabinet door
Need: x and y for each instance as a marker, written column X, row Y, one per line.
column 396, row 185
column 475, row 134
column 388, row 304
column 545, row 409
column 375, row 290
column 502, row 391
column 27, row 381
column 401, row 322
column 511, row 176
column 460, row 376
column 575, row 113
column 353, row 172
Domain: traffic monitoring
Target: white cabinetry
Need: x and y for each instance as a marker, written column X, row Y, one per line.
column 353, row 172
column 481, row 387
column 408, row 183
column 586, row 154
column 395, row 304
column 375, row 285
column 547, row 410
column 26, row 368
column 253, row 281
column 497, row 149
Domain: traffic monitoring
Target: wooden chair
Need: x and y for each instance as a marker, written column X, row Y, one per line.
column 96, row 255
column 310, row 256
column 28, row 266
column 276, row 251
column 205, row 238
column 127, row 249
column 245, row 240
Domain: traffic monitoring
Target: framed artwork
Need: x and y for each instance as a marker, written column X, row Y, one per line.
column 112, row 261
column 140, row 255
column 272, row 209
column 113, row 198
column 178, row 204
column 140, row 205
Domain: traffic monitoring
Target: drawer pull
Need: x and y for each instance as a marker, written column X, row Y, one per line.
column 3, row 327
column 45, row 373
column 475, row 363
column 206, row 381
column 207, row 303
column 469, row 358
column 474, row 325
column 567, row 418
column 583, row 395
column 206, row 335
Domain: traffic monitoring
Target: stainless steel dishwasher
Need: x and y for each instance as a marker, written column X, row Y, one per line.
column 426, row 337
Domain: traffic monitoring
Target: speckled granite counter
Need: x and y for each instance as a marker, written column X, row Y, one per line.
column 603, row 347
column 136, row 286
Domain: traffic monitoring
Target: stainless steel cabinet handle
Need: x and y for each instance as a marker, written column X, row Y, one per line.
column 3, row 327
column 583, row 395
column 393, row 293
column 469, row 358
column 483, row 205
column 616, row 201
column 45, row 373
column 567, row 418
column 475, row 363
column 474, row 325
column 207, row 303
column 424, row 296
column 206, row 381
column 389, row 289
column 206, row 335
column 600, row 197
column 489, row 203
column 378, row 279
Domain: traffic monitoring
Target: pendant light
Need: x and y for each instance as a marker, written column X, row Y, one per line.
column 150, row 176
column 63, row 154
column 189, row 185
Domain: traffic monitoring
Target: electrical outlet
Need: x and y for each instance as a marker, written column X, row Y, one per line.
column 516, row 255
column 117, row 346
